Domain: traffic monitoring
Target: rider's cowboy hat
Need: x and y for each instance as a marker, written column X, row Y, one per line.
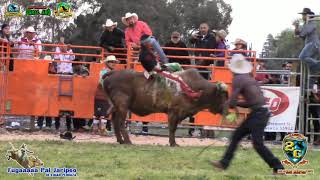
column 306, row 11
column 222, row 33
column 30, row 29
column 111, row 59
column 240, row 41
column 110, row 23
column 128, row 15
column 239, row 65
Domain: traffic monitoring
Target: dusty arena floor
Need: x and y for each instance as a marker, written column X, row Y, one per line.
column 88, row 137
column 136, row 139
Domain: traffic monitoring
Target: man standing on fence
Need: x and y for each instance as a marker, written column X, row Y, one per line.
column 308, row 32
column 245, row 85
column 135, row 29
column 111, row 38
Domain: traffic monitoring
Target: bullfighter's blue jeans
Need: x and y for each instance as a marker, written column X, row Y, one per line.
column 254, row 125
column 307, row 54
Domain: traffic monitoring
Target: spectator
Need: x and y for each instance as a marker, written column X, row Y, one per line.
column 4, row 39
column 262, row 78
column 80, row 69
column 284, row 77
column 176, row 42
column 308, row 32
column 48, row 122
column 315, row 112
column 64, row 67
column 112, row 37
column 29, row 45
column 221, row 44
column 240, row 45
column 101, row 106
column 204, row 40
column 135, row 29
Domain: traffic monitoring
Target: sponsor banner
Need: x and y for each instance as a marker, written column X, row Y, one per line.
column 283, row 104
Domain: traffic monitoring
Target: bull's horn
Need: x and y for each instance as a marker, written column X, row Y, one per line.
column 222, row 86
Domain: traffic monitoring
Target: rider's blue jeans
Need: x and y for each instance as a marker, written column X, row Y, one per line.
column 307, row 54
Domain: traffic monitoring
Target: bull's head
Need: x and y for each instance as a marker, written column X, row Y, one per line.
column 220, row 96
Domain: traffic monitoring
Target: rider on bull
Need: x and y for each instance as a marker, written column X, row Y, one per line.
column 150, row 55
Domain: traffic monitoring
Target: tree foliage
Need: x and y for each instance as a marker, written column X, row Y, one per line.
column 162, row 16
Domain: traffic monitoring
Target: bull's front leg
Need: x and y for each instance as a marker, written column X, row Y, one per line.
column 173, row 123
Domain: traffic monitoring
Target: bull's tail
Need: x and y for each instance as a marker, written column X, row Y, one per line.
column 109, row 101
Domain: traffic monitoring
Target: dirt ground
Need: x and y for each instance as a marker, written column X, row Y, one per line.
column 87, row 137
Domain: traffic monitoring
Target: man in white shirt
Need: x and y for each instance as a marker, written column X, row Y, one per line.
column 29, row 46
column 64, row 67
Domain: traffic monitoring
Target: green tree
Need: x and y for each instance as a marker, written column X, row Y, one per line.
column 162, row 16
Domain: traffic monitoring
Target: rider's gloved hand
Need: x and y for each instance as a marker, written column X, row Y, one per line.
column 163, row 67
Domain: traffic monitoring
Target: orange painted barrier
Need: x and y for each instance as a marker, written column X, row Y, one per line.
column 30, row 90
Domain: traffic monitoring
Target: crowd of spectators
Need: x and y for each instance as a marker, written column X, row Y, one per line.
column 113, row 39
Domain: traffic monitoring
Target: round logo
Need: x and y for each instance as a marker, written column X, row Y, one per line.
column 276, row 101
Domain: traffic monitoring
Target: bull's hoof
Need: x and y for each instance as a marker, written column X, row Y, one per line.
column 174, row 145
column 120, row 142
column 128, row 142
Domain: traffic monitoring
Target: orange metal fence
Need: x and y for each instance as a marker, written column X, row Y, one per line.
column 30, row 90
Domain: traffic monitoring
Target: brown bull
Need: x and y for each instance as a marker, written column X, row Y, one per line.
column 131, row 91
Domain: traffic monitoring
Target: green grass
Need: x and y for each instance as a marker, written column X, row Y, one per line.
column 113, row 161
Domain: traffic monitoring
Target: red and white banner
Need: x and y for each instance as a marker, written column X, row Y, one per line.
column 283, row 104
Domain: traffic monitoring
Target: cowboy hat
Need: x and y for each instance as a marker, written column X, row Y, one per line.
column 240, row 41
column 239, row 65
column 110, row 23
column 222, row 33
column 111, row 58
column 30, row 29
column 306, row 11
column 128, row 15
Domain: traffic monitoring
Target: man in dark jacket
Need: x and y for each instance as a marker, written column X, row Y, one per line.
column 112, row 38
column 177, row 43
column 205, row 40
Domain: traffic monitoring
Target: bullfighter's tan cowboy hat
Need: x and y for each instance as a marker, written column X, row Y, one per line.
column 110, row 23
column 111, row 58
column 240, row 41
column 128, row 15
column 239, row 65
column 222, row 33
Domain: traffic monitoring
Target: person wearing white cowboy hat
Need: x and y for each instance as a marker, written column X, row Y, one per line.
column 221, row 44
column 110, row 23
column 101, row 108
column 109, row 63
column 112, row 37
column 135, row 29
column 29, row 44
column 244, row 84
